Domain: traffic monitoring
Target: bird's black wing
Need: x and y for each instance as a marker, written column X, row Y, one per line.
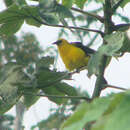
column 87, row 50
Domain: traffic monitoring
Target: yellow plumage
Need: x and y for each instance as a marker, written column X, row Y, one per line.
column 72, row 56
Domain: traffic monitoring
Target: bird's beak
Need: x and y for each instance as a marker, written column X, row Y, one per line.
column 57, row 42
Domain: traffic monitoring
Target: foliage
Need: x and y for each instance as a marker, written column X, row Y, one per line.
column 102, row 114
column 25, row 73
column 6, row 122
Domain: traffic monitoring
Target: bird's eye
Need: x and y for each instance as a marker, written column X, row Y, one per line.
column 58, row 42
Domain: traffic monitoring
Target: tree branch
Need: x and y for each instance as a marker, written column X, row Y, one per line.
column 101, row 19
column 70, row 27
column 100, row 79
column 115, row 87
column 108, row 29
column 109, row 25
column 57, row 96
column 62, row 26
column 121, row 26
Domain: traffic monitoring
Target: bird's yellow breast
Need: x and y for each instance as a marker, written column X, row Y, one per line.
column 73, row 57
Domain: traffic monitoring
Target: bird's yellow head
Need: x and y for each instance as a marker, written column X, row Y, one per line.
column 60, row 42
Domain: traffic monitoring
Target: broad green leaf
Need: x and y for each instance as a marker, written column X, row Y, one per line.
column 126, row 44
column 13, row 17
column 47, row 11
column 47, row 77
column 11, row 20
column 10, row 27
column 50, row 81
column 124, row 3
column 9, row 93
column 67, row 89
column 30, row 98
column 54, row 90
column 8, row 2
column 49, row 18
column 80, row 3
column 117, row 116
column 86, row 113
column 30, row 12
column 94, row 63
column 114, row 43
column 64, row 12
column 10, row 14
column 67, row 3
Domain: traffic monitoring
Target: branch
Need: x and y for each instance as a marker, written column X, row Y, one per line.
column 57, row 96
column 108, row 17
column 115, row 87
column 62, row 26
column 121, row 26
column 101, row 19
column 108, row 29
column 117, row 5
column 100, row 79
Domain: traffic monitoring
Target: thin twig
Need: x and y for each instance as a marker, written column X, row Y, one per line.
column 57, row 96
column 115, row 87
column 101, row 19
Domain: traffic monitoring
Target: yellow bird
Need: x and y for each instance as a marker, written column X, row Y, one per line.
column 74, row 55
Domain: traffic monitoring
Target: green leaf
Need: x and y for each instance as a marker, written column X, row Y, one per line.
column 8, row 2
column 80, row 3
column 49, row 18
column 118, row 115
column 124, row 3
column 47, row 77
column 64, row 12
column 114, row 43
column 45, row 62
column 20, row 3
column 47, row 5
column 102, row 1
column 56, row 90
column 126, row 44
column 94, row 63
column 30, row 12
column 29, row 100
column 86, row 113
column 10, row 27
column 9, row 14
column 8, row 90
column 67, row 3
column 11, row 20
column 49, row 81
